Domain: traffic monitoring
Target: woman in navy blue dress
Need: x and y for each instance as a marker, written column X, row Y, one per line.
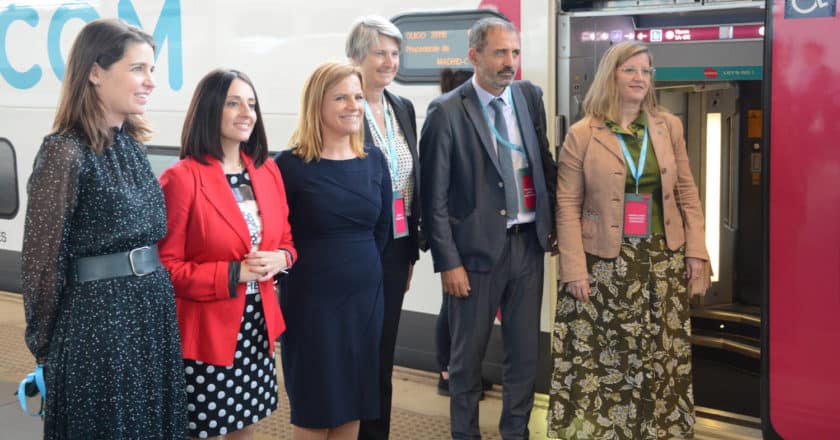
column 339, row 196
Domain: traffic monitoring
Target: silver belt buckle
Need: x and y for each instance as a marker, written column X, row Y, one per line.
column 131, row 261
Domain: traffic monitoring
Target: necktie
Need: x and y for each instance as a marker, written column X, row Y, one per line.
column 505, row 159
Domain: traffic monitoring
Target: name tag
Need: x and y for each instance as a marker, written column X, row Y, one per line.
column 398, row 216
column 529, row 193
column 637, row 211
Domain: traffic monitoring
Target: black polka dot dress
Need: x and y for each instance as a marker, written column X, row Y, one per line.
column 223, row 399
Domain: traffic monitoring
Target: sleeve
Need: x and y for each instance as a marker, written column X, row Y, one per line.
column 383, row 224
column 570, row 191
column 548, row 163
column 205, row 281
column 412, row 116
column 53, row 192
column 435, row 157
column 417, row 211
column 287, row 243
column 687, row 196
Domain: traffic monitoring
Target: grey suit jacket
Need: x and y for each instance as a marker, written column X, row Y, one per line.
column 462, row 192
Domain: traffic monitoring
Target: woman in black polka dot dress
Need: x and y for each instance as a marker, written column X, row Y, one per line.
column 228, row 235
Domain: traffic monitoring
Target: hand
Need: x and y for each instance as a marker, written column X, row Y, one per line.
column 455, row 282
column 694, row 268
column 579, row 290
column 263, row 264
column 408, row 280
column 552, row 243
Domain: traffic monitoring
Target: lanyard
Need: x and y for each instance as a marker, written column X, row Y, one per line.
column 635, row 171
column 390, row 141
column 36, row 377
column 499, row 139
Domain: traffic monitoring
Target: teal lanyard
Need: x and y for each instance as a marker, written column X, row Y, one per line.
column 508, row 144
column 635, row 171
column 390, row 140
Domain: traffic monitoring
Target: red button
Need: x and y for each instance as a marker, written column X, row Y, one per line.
column 710, row 73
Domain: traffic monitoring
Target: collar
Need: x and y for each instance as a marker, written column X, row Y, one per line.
column 484, row 97
column 637, row 126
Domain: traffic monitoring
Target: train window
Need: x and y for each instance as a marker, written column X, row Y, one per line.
column 434, row 41
column 9, row 200
column 161, row 157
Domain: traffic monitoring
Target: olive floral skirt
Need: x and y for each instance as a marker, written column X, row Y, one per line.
column 622, row 362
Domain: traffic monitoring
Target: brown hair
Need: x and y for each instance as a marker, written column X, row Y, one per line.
column 102, row 42
column 202, row 130
column 307, row 139
column 602, row 99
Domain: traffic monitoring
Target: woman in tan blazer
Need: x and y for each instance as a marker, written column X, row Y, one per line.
column 632, row 249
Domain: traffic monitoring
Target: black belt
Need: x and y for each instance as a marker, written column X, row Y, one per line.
column 520, row 228
column 136, row 262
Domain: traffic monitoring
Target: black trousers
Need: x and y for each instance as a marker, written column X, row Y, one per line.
column 396, row 260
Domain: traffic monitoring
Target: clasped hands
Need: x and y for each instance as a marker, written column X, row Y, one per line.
column 262, row 265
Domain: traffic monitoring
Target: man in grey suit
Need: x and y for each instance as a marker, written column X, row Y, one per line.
column 487, row 182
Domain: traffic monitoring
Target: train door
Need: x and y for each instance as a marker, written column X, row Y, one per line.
column 802, row 281
column 709, row 114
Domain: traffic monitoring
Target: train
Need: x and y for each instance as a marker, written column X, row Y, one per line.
column 755, row 83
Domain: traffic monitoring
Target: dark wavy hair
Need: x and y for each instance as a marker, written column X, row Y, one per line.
column 202, row 132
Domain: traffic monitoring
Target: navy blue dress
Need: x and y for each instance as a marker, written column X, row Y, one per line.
column 340, row 212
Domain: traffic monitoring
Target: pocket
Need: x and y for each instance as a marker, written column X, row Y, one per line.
column 588, row 228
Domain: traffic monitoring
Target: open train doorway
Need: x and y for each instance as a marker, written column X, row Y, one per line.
column 708, row 58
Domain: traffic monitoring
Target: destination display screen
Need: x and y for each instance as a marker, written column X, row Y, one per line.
column 706, row 33
column 435, row 41
column 678, row 35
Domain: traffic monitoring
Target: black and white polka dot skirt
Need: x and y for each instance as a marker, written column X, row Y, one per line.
column 226, row 399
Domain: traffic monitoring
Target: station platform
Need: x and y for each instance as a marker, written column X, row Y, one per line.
column 419, row 413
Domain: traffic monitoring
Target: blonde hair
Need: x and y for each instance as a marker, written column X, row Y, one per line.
column 602, row 99
column 102, row 42
column 307, row 139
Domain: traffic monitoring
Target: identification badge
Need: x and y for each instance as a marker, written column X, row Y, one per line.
column 398, row 215
column 529, row 193
column 637, row 211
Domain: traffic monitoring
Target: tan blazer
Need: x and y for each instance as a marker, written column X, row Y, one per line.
column 590, row 193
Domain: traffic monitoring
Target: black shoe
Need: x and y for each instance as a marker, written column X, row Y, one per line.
column 443, row 386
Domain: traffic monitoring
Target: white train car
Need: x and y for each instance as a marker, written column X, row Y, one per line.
column 277, row 44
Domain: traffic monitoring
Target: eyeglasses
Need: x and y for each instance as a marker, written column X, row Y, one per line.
column 632, row 71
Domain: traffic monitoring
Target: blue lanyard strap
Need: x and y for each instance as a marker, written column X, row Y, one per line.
column 635, row 171
column 499, row 138
column 390, row 140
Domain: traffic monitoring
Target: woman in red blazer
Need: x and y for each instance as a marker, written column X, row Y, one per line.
column 228, row 235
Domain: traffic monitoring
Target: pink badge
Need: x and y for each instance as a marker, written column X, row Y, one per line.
column 637, row 215
column 529, row 193
column 400, row 222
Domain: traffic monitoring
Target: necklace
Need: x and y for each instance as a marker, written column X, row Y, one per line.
column 236, row 168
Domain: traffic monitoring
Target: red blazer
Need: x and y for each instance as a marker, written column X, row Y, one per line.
column 205, row 231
